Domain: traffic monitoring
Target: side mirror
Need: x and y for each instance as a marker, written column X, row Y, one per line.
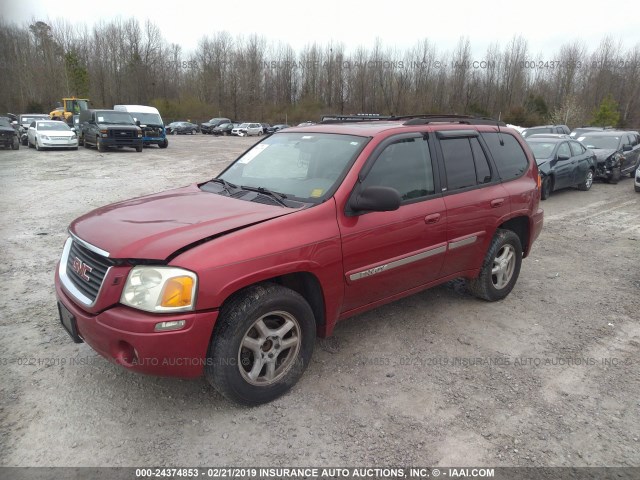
column 563, row 156
column 627, row 148
column 376, row 199
column 73, row 129
column 138, row 123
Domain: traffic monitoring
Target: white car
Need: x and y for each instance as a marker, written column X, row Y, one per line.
column 247, row 129
column 51, row 134
column 637, row 183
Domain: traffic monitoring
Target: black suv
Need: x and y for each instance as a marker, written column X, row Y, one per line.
column 617, row 152
column 563, row 129
column 207, row 127
column 8, row 134
column 109, row 128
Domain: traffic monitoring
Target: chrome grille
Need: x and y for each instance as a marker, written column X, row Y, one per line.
column 94, row 266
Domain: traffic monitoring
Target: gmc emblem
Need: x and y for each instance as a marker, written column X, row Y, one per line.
column 82, row 269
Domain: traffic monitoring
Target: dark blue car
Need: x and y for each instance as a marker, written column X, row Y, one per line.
column 562, row 162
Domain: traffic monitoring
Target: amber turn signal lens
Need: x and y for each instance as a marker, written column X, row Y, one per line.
column 177, row 292
column 539, row 181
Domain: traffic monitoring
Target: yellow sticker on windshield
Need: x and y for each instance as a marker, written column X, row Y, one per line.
column 316, row 192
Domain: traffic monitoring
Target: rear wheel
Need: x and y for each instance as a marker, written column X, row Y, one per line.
column 588, row 181
column 500, row 268
column 262, row 344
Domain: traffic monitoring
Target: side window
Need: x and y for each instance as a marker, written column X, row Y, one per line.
column 405, row 166
column 458, row 163
column 483, row 171
column 509, row 157
column 33, row 124
column 576, row 148
column 564, row 150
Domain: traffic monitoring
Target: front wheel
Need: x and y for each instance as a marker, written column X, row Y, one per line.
column 547, row 187
column 193, row 132
column 139, row 149
column 100, row 146
column 164, row 143
column 16, row 144
column 615, row 176
column 37, row 144
column 588, row 181
column 262, row 344
column 500, row 268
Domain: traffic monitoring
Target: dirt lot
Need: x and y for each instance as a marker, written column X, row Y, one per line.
column 548, row 376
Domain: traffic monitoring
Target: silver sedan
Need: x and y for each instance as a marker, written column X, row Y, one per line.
column 51, row 134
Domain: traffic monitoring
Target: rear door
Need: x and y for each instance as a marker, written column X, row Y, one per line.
column 474, row 198
column 386, row 253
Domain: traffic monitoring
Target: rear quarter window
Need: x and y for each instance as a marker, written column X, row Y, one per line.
column 509, row 157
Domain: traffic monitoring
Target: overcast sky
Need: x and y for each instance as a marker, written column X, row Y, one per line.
column 399, row 23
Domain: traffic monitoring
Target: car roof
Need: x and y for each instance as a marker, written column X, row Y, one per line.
column 135, row 108
column 607, row 133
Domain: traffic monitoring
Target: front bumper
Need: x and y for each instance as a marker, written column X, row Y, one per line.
column 58, row 143
column 121, row 142
column 126, row 337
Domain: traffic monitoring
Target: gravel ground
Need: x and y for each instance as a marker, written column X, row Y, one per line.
column 547, row 377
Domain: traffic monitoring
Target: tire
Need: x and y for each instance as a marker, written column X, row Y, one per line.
column 25, row 142
column 100, row 146
column 500, row 268
column 637, row 188
column 232, row 367
column 193, row 132
column 174, row 132
column 588, row 181
column 80, row 141
column 16, row 144
column 37, row 145
column 139, row 149
column 632, row 173
column 260, row 133
column 547, row 188
column 615, row 176
column 164, row 144
column 29, row 144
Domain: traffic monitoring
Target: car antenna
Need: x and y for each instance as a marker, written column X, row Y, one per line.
column 499, row 132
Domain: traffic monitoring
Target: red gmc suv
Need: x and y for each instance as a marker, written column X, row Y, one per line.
column 233, row 278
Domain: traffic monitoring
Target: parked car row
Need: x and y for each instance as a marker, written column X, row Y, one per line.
column 576, row 159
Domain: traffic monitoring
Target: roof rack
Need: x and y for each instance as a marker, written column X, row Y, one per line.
column 420, row 119
column 360, row 117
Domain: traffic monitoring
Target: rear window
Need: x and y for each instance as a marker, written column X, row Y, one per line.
column 509, row 157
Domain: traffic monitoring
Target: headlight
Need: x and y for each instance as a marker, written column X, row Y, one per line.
column 73, row 137
column 160, row 289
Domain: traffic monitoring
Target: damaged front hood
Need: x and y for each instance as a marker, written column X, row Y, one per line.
column 155, row 226
column 603, row 153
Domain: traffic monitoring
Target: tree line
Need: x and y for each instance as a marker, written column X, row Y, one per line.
column 125, row 61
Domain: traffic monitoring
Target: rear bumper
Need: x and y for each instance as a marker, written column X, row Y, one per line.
column 126, row 337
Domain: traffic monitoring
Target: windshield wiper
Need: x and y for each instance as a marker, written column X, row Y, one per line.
column 227, row 186
column 278, row 197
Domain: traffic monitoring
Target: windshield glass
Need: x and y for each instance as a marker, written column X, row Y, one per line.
column 115, row 117
column 600, row 141
column 52, row 126
column 306, row 166
column 542, row 149
column 147, row 118
column 27, row 120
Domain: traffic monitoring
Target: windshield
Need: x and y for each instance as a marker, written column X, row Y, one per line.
column 24, row 120
column 542, row 149
column 533, row 131
column 147, row 118
column 115, row 117
column 600, row 141
column 306, row 166
column 52, row 126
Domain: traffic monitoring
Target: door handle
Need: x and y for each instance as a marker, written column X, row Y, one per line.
column 433, row 218
column 498, row 202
